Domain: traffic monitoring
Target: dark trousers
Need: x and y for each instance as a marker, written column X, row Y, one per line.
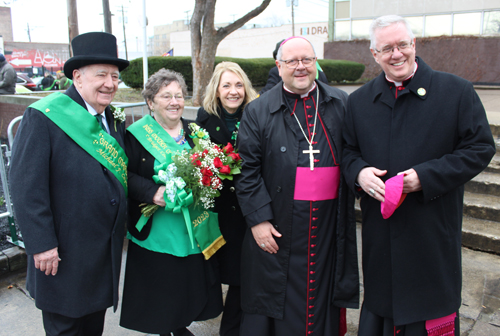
column 231, row 317
column 60, row 325
column 374, row 325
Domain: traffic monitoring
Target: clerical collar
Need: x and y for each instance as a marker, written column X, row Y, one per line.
column 415, row 67
column 302, row 95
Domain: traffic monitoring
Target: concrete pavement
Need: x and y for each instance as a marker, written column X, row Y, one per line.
column 479, row 314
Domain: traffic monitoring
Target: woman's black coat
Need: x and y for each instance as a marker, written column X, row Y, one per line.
column 231, row 221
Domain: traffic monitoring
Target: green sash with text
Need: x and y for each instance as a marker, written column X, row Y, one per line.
column 84, row 129
column 202, row 225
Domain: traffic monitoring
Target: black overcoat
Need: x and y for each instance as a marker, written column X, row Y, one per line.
column 437, row 126
column 65, row 198
column 269, row 149
column 231, row 221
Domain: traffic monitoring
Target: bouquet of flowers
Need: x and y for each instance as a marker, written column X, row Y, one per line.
column 197, row 173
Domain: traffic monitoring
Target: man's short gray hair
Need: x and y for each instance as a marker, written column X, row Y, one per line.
column 280, row 50
column 386, row 21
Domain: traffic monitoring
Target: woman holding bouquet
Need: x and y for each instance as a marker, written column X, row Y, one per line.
column 226, row 95
column 168, row 282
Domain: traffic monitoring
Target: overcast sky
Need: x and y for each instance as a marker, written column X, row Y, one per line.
column 48, row 19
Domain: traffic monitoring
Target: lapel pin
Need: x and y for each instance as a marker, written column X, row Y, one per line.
column 421, row 92
column 218, row 128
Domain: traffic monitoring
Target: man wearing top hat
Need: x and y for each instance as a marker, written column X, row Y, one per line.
column 69, row 187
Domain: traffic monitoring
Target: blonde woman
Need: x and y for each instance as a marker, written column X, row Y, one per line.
column 226, row 96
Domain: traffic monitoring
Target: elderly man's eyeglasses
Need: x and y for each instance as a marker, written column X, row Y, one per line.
column 403, row 45
column 293, row 63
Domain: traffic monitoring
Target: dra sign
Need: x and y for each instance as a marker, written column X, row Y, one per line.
column 313, row 31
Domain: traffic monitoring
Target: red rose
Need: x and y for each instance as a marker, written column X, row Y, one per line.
column 218, row 148
column 204, row 153
column 206, row 171
column 197, row 163
column 236, row 157
column 228, row 148
column 205, row 180
column 217, row 162
column 225, row 170
column 194, row 157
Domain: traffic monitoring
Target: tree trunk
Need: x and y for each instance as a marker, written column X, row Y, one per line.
column 72, row 22
column 205, row 40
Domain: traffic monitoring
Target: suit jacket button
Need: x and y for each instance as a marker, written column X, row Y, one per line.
column 278, row 189
column 232, row 189
column 104, row 170
column 143, row 159
column 113, row 202
column 234, row 208
column 283, row 149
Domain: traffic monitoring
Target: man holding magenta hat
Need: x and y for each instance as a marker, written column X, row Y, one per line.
column 413, row 137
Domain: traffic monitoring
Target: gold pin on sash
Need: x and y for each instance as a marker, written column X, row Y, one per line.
column 47, row 110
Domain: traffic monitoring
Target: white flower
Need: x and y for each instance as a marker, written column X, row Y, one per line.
column 119, row 114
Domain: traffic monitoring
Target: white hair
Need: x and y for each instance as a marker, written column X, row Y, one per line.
column 386, row 21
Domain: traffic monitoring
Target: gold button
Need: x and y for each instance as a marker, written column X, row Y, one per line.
column 143, row 159
column 232, row 189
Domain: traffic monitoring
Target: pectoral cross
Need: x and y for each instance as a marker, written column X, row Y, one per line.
column 311, row 153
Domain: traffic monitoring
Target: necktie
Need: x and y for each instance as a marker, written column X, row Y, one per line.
column 99, row 120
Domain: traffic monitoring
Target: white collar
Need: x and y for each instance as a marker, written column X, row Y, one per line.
column 302, row 95
column 415, row 66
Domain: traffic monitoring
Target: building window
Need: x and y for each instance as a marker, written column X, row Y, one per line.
column 491, row 23
column 342, row 9
column 437, row 25
column 361, row 29
column 467, row 24
column 342, row 29
column 416, row 24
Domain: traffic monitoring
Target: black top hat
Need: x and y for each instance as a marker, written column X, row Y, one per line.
column 93, row 48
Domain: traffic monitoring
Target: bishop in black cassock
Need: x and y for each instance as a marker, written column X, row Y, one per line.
column 299, row 261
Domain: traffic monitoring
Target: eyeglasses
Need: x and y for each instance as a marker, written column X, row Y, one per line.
column 169, row 97
column 293, row 63
column 403, row 45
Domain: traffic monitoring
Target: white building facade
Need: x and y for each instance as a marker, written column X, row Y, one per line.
column 256, row 42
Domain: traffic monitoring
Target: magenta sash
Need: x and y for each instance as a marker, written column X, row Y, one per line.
column 443, row 326
column 319, row 184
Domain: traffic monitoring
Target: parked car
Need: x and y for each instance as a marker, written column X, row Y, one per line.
column 24, row 80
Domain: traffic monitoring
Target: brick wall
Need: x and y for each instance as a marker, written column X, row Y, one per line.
column 10, row 108
column 470, row 57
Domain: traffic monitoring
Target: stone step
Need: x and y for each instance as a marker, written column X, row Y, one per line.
column 494, row 166
column 485, row 207
column 482, row 206
column 495, row 130
column 477, row 234
column 481, row 235
column 485, row 183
